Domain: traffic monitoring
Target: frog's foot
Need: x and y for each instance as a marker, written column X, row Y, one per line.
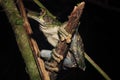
column 64, row 35
column 48, row 56
column 51, row 67
column 56, row 56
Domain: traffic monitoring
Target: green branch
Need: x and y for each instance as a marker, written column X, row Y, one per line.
column 21, row 37
column 97, row 67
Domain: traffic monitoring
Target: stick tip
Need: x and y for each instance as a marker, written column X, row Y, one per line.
column 81, row 5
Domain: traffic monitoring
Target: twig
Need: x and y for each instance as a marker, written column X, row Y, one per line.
column 40, row 64
column 97, row 67
column 70, row 27
column 73, row 22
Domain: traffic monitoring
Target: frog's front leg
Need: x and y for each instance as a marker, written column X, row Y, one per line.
column 56, row 56
column 49, row 55
column 64, row 35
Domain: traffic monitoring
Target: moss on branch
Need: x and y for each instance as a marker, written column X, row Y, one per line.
column 21, row 37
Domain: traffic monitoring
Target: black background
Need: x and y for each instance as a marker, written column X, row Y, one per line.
column 99, row 30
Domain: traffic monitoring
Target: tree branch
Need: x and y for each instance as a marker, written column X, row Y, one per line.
column 72, row 24
column 40, row 64
column 21, row 37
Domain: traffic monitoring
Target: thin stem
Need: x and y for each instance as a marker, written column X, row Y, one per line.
column 97, row 67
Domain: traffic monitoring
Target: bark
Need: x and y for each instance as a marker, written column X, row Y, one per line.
column 63, row 46
column 21, row 37
column 40, row 63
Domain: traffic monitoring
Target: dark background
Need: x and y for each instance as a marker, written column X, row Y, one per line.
column 99, row 30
